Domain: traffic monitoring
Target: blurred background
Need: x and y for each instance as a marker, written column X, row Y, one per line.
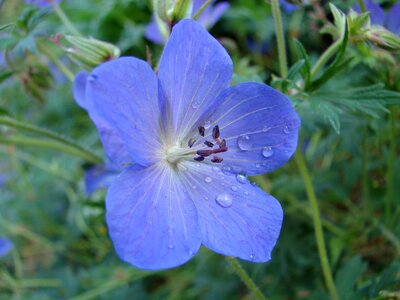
column 349, row 139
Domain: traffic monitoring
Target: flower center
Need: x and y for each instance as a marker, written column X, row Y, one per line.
column 198, row 148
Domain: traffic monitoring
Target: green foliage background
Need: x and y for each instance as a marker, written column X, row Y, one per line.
column 349, row 137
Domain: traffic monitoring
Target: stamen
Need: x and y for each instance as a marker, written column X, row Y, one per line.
column 202, row 130
column 222, row 143
column 216, row 159
column 209, row 144
column 199, row 158
column 215, row 132
column 191, row 142
column 204, row 153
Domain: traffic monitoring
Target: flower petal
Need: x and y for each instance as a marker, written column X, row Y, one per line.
column 125, row 93
column 259, row 125
column 211, row 14
column 236, row 218
column 100, row 177
column 5, row 246
column 151, row 220
column 153, row 33
column 114, row 147
column 393, row 20
column 376, row 13
column 194, row 69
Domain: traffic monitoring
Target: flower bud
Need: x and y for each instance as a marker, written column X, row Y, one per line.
column 383, row 38
column 89, row 51
column 172, row 11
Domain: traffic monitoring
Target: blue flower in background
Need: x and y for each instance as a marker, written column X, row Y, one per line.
column 390, row 20
column 288, row 7
column 186, row 141
column 5, row 246
column 211, row 14
column 41, row 3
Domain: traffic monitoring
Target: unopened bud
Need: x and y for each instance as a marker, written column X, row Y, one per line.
column 180, row 9
column 383, row 38
column 89, row 51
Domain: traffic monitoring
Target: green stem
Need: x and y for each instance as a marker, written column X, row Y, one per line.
column 69, row 146
column 390, row 167
column 325, row 57
column 201, row 9
column 319, row 234
column 362, row 6
column 55, row 60
column 64, row 19
column 280, row 37
column 49, row 144
column 246, row 278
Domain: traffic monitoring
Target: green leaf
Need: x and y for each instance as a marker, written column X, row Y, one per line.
column 302, row 53
column 347, row 277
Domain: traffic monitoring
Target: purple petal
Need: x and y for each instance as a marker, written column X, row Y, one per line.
column 151, row 219
column 259, row 125
column 153, row 33
column 393, row 19
column 100, row 177
column 5, row 246
column 288, row 7
column 114, row 147
column 212, row 14
column 124, row 93
column 194, row 69
column 41, row 3
column 376, row 12
column 236, row 218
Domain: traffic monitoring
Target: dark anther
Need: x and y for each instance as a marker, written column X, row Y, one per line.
column 221, row 149
column 199, row 158
column 216, row 159
column 215, row 132
column 222, row 144
column 201, row 130
column 191, row 142
column 209, row 144
column 204, row 152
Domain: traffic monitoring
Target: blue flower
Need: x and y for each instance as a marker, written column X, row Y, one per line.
column 5, row 246
column 186, row 141
column 211, row 14
column 378, row 16
column 41, row 3
column 100, row 177
column 288, row 7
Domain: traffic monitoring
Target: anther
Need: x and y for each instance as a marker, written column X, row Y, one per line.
column 216, row 159
column 222, row 144
column 201, row 130
column 199, row 158
column 191, row 142
column 209, row 144
column 204, row 153
column 215, row 132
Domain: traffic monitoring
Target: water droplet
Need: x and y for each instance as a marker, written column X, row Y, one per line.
column 207, row 124
column 197, row 165
column 234, row 188
column 206, row 198
column 267, row 152
column 195, row 104
column 246, row 193
column 227, row 170
column 258, row 165
column 241, row 178
column 224, row 200
column 254, row 183
column 244, row 142
column 207, row 179
column 170, row 246
column 216, row 169
column 251, row 256
column 286, row 130
column 265, row 128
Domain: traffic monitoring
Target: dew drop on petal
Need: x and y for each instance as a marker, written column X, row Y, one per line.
column 258, row 165
column 224, row 200
column 244, row 142
column 195, row 104
column 234, row 188
column 251, row 256
column 216, row 169
column 246, row 193
column 207, row 179
column 227, row 170
column 207, row 124
column 267, row 152
column 286, row 130
column 241, row 178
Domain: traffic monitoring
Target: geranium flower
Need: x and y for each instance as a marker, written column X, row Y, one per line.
column 211, row 14
column 378, row 16
column 5, row 246
column 187, row 140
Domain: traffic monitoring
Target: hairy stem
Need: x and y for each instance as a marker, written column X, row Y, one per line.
column 64, row 19
column 325, row 57
column 280, row 37
column 319, row 234
column 246, row 278
column 362, row 6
